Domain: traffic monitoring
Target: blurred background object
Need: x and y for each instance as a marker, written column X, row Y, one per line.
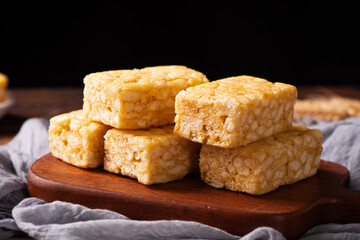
column 57, row 44
column 4, row 81
column 6, row 99
column 324, row 104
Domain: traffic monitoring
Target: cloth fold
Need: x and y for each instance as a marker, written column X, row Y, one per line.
column 16, row 157
column 20, row 214
column 342, row 145
column 71, row 221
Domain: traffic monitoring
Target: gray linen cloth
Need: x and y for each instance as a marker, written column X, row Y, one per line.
column 20, row 214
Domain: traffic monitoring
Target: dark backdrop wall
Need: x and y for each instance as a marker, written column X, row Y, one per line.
column 47, row 44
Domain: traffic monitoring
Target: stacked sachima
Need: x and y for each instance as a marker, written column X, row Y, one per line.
column 245, row 124
column 110, row 130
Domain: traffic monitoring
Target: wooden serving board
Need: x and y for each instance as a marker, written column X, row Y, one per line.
column 291, row 209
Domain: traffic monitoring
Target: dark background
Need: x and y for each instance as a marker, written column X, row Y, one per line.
column 57, row 44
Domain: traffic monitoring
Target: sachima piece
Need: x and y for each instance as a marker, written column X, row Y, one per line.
column 139, row 98
column 153, row 155
column 234, row 111
column 264, row 165
column 77, row 140
column 3, row 86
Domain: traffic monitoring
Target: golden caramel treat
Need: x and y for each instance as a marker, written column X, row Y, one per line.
column 3, row 85
column 3, row 80
column 139, row 98
column 153, row 155
column 234, row 111
column 77, row 140
column 264, row 165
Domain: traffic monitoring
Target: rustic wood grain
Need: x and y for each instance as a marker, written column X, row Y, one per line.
column 291, row 209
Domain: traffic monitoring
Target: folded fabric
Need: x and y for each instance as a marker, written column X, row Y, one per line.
column 16, row 158
column 341, row 145
column 20, row 214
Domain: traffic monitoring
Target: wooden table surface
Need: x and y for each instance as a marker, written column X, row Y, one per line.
column 37, row 102
column 48, row 102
